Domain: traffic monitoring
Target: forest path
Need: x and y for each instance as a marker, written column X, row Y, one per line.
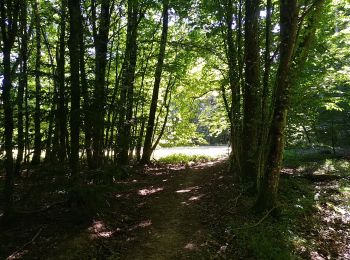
column 173, row 224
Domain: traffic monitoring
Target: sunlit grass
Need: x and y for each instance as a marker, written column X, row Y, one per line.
column 212, row 151
column 184, row 159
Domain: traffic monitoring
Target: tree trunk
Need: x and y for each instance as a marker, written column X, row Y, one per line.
column 74, row 53
column 147, row 148
column 252, row 93
column 127, row 88
column 101, row 40
column 267, row 197
column 61, row 109
column 37, row 111
column 234, row 109
column 23, row 82
column 86, row 103
column 9, row 16
column 166, row 103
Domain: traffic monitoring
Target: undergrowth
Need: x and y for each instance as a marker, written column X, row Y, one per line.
column 184, row 159
column 287, row 235
column 275, row 238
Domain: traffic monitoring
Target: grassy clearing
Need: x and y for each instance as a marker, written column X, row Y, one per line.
column 184, row 159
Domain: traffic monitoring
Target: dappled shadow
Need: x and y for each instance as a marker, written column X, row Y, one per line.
column 322, row 211
column 198, row 212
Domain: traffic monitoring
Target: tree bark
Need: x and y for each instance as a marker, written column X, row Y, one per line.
column 252, row 93
column 234, row 109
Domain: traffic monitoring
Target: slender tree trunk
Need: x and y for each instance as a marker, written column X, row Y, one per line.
column 167, row 102
column 53, row 102
column 86, row 104
column 141, row 100
column 74, row 53
column 234, row 110
column 8, row 110
column 147, row 148
column 267, row 197
column 61, row 108
column 306, row 132
column 127, row 88
column 252, row 93
column 37, row 111
column 265, row 112
column 8, row 22
column 23, row 82
column 267, row 60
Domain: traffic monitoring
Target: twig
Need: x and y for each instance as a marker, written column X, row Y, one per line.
column 259, row 222
column 25, row 245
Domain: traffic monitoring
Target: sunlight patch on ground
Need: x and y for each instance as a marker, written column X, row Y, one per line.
column 183, row 191
column 149, row 191
column 145, row 223
column 191, row 246
column 189, row 189
column 195, row 198
column 99, row 230
column 142, row 224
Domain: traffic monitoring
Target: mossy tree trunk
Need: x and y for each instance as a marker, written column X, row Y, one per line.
column 252, row 93
column 267, row 197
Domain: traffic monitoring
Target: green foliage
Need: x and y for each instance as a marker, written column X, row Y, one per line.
column 184, row 159
column 320, row 106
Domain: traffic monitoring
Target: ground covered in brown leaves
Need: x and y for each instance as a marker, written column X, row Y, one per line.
column 177, row 212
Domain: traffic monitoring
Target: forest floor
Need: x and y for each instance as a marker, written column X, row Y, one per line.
column 182, row 212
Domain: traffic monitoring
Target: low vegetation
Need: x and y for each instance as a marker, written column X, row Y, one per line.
column 184, row 159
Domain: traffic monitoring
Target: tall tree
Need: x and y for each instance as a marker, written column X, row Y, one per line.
column 267, row 197
column 127, row 83
column 252, row 92
column 75, row 30
column 9, row 29
column 61, row 106
column 23, row 84
column 101, row 41
column 37, row 111
column 147, row 149
column 234, row 112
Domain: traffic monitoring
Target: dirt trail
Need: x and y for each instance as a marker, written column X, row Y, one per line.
column 173, row 225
